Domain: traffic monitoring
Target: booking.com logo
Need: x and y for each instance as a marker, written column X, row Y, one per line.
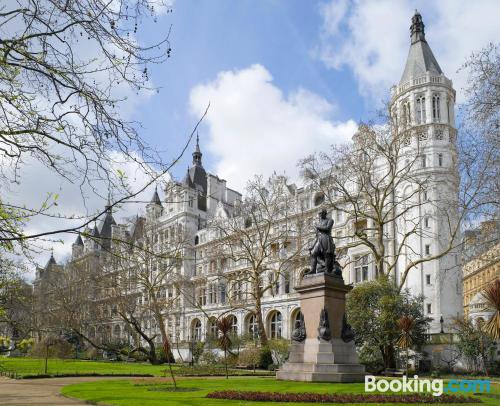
column 434, row 386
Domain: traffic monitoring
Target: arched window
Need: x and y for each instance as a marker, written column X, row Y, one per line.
column 212, row 327
column 117, row 331
column 275, row 325
column 252, row 327
column 196, row 330
column 436, row 111
column 196, row 240
column 234, row 324
column 295, row 316
column 421, row 117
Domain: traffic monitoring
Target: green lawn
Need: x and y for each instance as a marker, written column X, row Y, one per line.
column 35, row 366
column 141, row 392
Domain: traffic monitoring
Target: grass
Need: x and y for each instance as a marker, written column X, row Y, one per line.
column 30, row 367
column 149, row 392
column 35, row 366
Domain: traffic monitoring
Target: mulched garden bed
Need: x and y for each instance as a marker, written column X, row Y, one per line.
column 338, row 397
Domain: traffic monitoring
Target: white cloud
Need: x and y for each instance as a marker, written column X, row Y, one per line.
column 371, row 37
column 254, row 128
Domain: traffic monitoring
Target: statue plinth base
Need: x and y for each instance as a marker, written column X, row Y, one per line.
column 315, row 359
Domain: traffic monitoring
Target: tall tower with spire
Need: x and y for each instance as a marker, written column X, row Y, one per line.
column 422, row 110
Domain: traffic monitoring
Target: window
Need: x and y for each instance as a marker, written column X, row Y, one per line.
column 424, row 161
column 234, row 324
column 222, row 289
column 202, row 298
column 252, row 328
column 427, row 279
column 275, row 325
column 236, row 290
column 275, row 284
column 196, row 332
column 212, row 327
column 436, row 112
column 338, row 216
column 286, row 283
column 361, row 268
column 427, row 249
column 212, row 294
column 429, row 308
column 426, row 222
column 440, row 159
column 425, row 196
column 190, row 201
column 406, row 113
column 421, row 118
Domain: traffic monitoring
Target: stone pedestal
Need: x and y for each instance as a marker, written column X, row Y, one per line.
column 315, row 359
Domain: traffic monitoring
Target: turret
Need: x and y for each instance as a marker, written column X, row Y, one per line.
column 77, row 247
column 154, row 208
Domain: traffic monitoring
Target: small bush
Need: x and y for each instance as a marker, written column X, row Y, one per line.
column 279, row 350
column 209, row 357
column 55, row 347
column 92, row 354
column 249, row 357
column 266, row 358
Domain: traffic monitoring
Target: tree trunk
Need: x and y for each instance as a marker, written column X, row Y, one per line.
column 389, row 356
column 260, row 322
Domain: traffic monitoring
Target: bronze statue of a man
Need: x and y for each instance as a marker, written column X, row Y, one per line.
column 323, row 250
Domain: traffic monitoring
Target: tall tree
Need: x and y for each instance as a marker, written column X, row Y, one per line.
column 262, row 243
column 66, row 68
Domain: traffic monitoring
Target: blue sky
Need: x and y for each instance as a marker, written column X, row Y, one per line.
column 329, row 63
column 284, row 79
column 209, row 37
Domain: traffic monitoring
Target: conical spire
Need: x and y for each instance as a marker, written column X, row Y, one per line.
column 197, row 152
column 156, row 198
column 420, row 57
column 78, row 240
column 52, row 260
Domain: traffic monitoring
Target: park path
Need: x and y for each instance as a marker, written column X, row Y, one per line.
column 39, row 391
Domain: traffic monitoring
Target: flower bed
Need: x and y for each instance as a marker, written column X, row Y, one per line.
column 338, row 397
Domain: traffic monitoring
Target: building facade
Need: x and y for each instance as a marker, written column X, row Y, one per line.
column 197, row 288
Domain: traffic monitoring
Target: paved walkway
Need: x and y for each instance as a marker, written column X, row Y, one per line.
column 39, row 391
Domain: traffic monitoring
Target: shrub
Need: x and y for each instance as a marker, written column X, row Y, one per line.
column 339, row 397
column 266, row 358
column 209, row 357
column 198, row 350
column 279, row 350
column 25, row 345
column 92, row 354
column 250, row 357
column 56, row 347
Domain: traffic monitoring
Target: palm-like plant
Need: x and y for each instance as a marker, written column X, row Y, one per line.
column 224, row 326
column 406, row 325
column 492, row 295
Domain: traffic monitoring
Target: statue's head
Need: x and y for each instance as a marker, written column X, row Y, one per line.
column 322, row 213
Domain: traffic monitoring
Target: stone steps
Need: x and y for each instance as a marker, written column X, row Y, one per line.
column 326, row 368
column 320, row 376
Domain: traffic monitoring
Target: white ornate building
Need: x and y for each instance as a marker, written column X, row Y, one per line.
column 423, row 102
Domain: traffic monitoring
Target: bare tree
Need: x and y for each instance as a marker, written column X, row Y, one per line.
column 378, row 183
column 66, row 68
column 258, row 244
